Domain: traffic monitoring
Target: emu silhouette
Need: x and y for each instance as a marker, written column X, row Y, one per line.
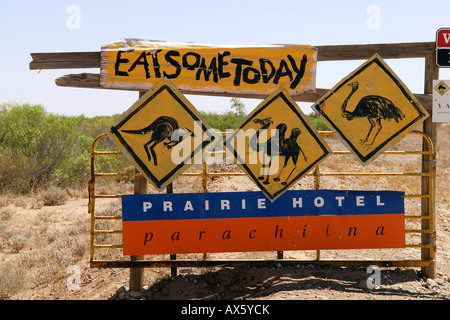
column 374, row 108
column 162, row 128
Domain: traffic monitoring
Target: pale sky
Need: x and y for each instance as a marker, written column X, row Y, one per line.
column 71, row 26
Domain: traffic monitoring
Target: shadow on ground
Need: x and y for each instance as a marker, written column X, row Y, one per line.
column 292, row 283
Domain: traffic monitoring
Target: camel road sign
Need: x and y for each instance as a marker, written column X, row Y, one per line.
column 276, row 144
column 203, row 69
column 370, row 110
column 162, row 134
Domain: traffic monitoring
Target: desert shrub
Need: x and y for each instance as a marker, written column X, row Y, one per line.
column 222, row 121
column 6, row 213
column 17, row 242
column 54, row 196
column 38, row 149
column 317, row 123
column 320, row 125
column 12, row 279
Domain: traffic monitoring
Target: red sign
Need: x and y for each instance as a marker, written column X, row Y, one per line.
column 443, row 38
column 443, row 47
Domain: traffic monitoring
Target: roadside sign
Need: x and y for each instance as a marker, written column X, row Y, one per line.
column 370, row 110
column 250, row 70
column 247, row 221
column 443, row 47
column 276, row 144
column 441, row 101
column 162, row 134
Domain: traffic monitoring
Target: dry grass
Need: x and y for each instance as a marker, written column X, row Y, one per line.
column 35, row 248
column 42, row 234
column 54, row 196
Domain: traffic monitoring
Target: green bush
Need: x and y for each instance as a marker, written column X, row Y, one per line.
column 222, row 121
column 320, row 125
column 38, row 148
column 317, row 123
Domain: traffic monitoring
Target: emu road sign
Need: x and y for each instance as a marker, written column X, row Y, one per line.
column 252, row 70
column 162, row 134
column 276, row 145
column 370, row 109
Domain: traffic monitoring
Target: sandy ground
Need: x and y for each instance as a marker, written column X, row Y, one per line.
column 299, row 282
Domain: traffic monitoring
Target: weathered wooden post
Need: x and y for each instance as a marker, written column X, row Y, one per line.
column 428, row 204
column 137, row 274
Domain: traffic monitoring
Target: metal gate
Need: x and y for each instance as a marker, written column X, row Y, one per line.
column 420, row 229
column 421, row 218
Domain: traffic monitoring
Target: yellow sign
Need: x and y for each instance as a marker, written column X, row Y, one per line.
column 441, row 88
column 162, row 134
column 276, row 145
column 258, row 70
column 370, row 109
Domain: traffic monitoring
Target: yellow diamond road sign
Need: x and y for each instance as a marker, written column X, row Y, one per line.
column 370, row 109
column 276, row 145
column 162, row 134
column 441, row 87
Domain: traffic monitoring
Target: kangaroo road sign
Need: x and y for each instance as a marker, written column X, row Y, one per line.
column 370, row 109
column 162, row 134
column 252, row 70
column 276, row 145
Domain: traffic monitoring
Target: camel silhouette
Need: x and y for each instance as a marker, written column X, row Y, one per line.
column 290, row 149
column 374, row 108
column 267, row 150
column 162, row 128
column 287, row 147
column 264, row 123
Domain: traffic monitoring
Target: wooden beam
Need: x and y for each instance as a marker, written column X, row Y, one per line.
column 73, row 60
column 92, row 81
column 385, row 50
column 65, row 60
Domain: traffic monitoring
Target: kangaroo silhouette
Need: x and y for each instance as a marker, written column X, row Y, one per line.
column 162, row 128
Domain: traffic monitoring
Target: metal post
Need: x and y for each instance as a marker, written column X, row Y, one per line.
column 428, row 182
column 173, row 270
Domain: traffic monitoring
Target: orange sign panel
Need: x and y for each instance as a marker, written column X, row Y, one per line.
column 248, row 221
column 259, row 70
column 370, row 109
